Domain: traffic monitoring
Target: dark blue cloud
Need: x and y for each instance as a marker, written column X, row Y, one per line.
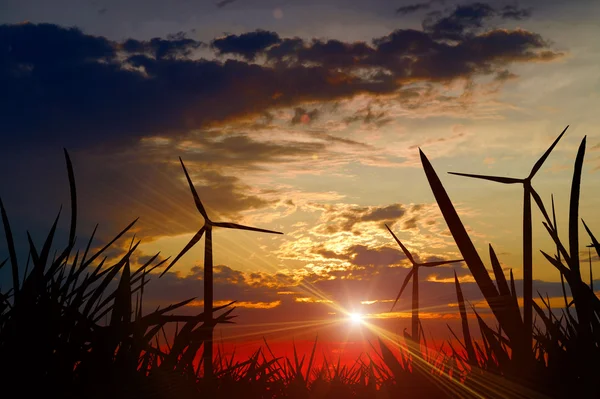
column 467, row 20
column 248, row 45
column 415, row 7
column 61, row 86
column 223, row 3
column 514, row 12
column 334, row 53
column 175, row 46
column 411, row 8
column 463, row 20
column 47, row 45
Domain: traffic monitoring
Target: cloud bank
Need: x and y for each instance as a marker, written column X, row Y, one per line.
column 66, row 87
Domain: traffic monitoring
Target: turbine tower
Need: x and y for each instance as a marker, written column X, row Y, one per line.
column 528, row 191
column 208, row 268
column 414, row 273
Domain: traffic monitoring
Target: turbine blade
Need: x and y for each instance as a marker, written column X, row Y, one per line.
column 441, row 262
column 194, row 193
column 408, row 255
column 498, row 179
column 541, row 161
column 242, row 227
column 404, row 284
column 190, row 244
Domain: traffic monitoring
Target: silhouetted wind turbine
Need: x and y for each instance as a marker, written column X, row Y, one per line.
column 208, row 268
column 528, row 191
column 414, row 273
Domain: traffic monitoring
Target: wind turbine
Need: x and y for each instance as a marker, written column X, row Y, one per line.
column 208, row 268
column 414, row 273
column 528, row 191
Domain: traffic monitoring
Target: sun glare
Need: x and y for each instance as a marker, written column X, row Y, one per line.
column 356, row 318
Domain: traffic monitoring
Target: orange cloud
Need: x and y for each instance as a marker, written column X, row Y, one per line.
column 242, row 304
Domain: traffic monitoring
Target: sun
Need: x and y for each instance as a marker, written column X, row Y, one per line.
column 356, row 318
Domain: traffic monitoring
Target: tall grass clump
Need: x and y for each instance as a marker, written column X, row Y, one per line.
column 563, row 359
column 73, row 325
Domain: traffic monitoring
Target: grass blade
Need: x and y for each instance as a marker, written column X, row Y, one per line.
column 595, row 242
column 73, row 192
column 11, row 250
column 574, row 210
column 189, row 245
column 465, row 323
column 510, row 321
column 125, row 230
column 498, row 273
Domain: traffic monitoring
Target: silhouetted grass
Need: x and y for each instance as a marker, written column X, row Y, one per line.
column 53, row 340
column 563, row 360
column 73, row 326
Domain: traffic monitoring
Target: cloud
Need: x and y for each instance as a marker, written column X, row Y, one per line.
column 464, row 20
column 247, row 45
column 230, row 172
column 303, row 116
column 177, row 45
column 266, row 300
column 152, row 185
column 382, row 256
column 238, row 150
column 369, row 117
column 324, row 288
column 514, row 12
column 412, row 8
column 86, row 90
column 223, row 3
column 362, row 255
column 344, row 218
column 468, row 20
column 351, row 241
column 503, row 76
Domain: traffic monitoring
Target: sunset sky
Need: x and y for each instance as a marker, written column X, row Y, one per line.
column 303, row 117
